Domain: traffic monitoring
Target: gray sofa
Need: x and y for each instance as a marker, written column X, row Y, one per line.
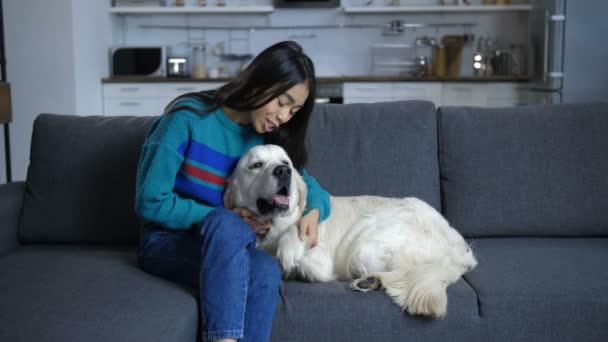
column 528, row 186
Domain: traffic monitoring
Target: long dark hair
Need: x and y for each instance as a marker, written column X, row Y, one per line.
column 271, row 73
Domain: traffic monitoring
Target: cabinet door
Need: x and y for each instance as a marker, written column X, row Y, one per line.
column 131, row 90
column 173, row 90
column 506, row 95
column 133, row 106
column 367, row 92
column 430, row 91
column 464, row 94
column 146, row 98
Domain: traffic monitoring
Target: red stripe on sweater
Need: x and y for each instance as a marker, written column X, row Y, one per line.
column 204, row 175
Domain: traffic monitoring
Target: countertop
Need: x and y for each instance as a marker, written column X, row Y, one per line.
column 323, row 79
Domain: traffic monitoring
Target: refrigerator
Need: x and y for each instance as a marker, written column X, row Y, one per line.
column 568, row 55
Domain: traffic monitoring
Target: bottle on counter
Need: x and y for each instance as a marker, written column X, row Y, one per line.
column 199, row 61
column 479, row 67
column 483, row 57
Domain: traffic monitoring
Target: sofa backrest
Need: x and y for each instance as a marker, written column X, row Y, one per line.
column 81, row 179
column 525, row 171
column 387, row 149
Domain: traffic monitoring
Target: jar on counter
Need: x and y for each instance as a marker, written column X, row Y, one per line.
column 199, row 62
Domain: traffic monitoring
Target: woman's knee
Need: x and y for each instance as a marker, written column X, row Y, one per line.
column 225, row 226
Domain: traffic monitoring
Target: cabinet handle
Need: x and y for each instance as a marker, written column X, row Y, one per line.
column 129, row 89
column 185, row 88
column 130, row 104
column 367, row 88
column 409, row 87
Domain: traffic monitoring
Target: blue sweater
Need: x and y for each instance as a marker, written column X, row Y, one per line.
column 185, row 162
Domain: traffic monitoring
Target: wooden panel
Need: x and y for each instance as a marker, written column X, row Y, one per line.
column 6, row 114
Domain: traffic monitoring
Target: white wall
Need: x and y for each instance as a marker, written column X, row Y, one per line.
column 56, row 56
column 38, row 43
column 335, row 52
column 92, row 35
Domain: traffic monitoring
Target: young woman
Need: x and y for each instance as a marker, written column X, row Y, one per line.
column 187, row 235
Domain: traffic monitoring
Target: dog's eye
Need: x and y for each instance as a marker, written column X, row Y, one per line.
column 285, row 162
column 256, row 165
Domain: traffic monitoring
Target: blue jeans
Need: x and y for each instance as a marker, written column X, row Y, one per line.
column 238, row 284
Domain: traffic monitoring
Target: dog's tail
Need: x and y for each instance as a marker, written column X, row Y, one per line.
column 420, row 290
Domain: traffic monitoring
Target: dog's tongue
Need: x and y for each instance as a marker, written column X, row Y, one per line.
column 280, row 200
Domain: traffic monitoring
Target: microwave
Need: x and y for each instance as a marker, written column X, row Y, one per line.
column 306, row 3
column 137, row 61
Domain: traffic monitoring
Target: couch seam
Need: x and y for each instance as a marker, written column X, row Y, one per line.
column 440, row 159
column 479, row 309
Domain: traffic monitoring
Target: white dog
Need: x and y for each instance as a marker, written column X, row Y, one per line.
column 402, row 245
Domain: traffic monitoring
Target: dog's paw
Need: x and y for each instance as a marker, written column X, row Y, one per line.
column 367, row 283
column 289, row 258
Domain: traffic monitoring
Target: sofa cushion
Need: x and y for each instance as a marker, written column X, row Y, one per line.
column 81, row 179
column 542, row 289
column 333, row 312
column 387, row 149
column 525, row 171
column 90, row 294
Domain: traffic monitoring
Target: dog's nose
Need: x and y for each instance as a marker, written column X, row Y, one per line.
column 282, row 172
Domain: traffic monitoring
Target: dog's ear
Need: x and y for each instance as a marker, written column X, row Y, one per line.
column 229, row 194
column 302, row 191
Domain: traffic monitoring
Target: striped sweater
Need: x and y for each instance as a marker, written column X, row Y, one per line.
column 185, row 162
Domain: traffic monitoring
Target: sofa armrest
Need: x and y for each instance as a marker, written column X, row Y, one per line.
column 11, row 201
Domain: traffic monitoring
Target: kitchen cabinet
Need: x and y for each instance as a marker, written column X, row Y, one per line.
column 263, row 9
column 464, row 94
column 365, row 92
column 358, row 9
column 428, row 91
column 507, row 95
column 146, row 98
column 486, row 94
column 151, row 98
column 481, row 94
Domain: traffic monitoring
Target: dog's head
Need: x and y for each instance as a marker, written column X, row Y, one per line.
column 265, row 182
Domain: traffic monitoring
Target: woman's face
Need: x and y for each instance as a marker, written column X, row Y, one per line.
column 280, row 110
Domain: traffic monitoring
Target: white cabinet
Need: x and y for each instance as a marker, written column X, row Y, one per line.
column 358, row 7
column 146, row 98
column 151, row 98
column 367, row 92
column 363, row 92
column 507, row 95
column 486, row 94
column 464, row 94
column 133, row 106
column 427, row 91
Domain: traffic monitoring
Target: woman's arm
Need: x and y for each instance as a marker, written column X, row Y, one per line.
column 159, row 164
column 317, row 197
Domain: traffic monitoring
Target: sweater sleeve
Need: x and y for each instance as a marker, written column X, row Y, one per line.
column 160, row 161
column 317, row 197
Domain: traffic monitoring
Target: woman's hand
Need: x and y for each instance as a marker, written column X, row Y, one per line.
column 309, row 226
column 258, row 227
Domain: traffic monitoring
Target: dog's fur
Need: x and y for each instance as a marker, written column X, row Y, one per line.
column 402, row 245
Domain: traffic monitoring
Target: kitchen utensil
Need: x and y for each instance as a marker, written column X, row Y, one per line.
column 177, row 66
column 421, row 66
column 439, row 61
column 453, row 54
column 392, row 59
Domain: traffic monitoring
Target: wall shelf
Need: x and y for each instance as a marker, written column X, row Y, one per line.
column 347, row 9
column 428, row 9
column 192, row 10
